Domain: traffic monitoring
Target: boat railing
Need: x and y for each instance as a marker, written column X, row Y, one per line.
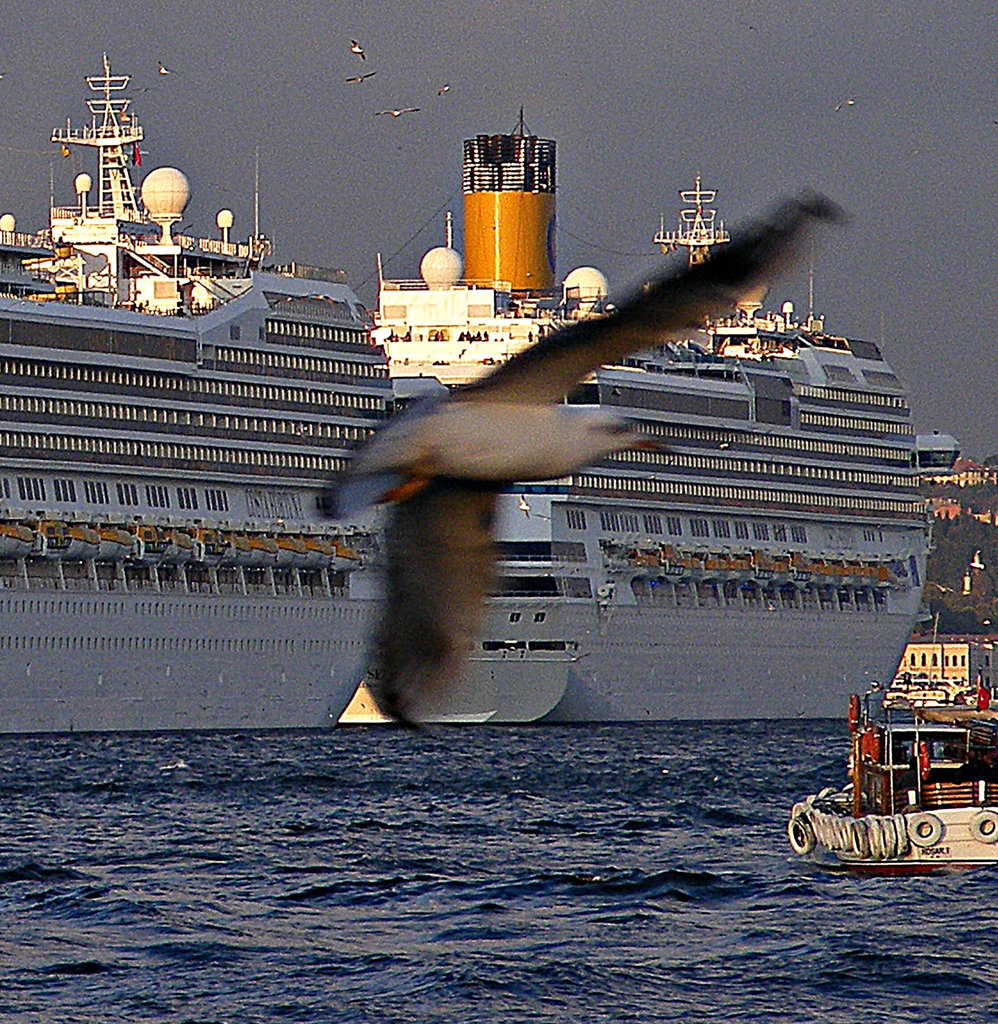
column 23, row 240
column 465, row 284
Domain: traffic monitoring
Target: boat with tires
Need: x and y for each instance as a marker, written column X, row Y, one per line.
column 922, row 794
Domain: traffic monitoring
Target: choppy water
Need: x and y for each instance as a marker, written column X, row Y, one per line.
column 591, row 874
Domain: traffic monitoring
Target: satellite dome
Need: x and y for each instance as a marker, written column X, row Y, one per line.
column 441, row 267
column 7, row 222
column 224, row 219
column 165, row 193
column 586, row 283
column 83, row 183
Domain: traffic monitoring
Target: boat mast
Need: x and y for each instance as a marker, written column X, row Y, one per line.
column 115, row 134
column 699, row 230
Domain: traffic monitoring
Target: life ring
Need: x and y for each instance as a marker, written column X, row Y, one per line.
column 801, row 835
column 984, row 828
column 924, row 829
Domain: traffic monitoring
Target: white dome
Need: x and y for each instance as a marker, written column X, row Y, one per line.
column 586, row 283
column 441, row 267
column 224, row 219
column 7, row 222
column 83, row 183
column 165, row 193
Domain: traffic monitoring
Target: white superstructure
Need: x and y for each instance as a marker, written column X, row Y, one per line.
column 770, row 559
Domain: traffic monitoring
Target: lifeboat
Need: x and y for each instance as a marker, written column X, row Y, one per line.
column 55, row 539
column 236, row 549
column 672, row 563
column 292, row 552
column 318, row 552
column 209, row 546
column 800, row 568
column 16, row 540
column 762, row 565
column 114, row 544
column 262, row 552
column 343, row 556
column 180, row 548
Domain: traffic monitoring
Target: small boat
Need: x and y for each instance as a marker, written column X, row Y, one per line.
column 922, row 794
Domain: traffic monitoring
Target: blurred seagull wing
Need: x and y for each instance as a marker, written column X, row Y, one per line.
column 440, row 568
column 672, row 304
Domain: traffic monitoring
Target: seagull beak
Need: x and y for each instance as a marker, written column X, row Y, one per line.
column 409, row 488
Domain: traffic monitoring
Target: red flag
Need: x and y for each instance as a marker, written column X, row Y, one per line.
column 136, row 155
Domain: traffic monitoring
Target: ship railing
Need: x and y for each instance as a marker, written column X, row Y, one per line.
column 25, row 241
column 121, row 133
column 473, row 283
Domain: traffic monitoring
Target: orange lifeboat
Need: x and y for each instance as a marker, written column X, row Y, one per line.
column 16, row 540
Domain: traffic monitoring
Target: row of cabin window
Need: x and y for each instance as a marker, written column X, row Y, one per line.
column 308, row 364
column 792, row 442
column 756, row 495
column 745, row 467
column 656, row 524
column 132, row 450
column 154, row 414
column 258, row 393
column 854, row 397
column 96, row 492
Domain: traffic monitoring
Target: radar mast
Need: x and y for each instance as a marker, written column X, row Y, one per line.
column 699, row 231
column 115, row 134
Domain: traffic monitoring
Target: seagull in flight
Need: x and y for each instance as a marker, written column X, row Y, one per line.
column 363, row 77
column 444, row 88
column 163, row 69
column 443, row 462
column 356, row 48
column 397, row 113
column 851, row 102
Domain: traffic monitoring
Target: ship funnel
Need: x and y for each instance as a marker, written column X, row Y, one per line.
column 509, row 187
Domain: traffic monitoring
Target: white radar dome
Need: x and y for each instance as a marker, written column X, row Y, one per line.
column 7, row 222
column 586, row 283
column 441, row 267
column 165, row 193
column 83, row 183
column 224, row 219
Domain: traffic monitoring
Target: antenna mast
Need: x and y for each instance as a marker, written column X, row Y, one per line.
column 112, row 130
column 698, row 232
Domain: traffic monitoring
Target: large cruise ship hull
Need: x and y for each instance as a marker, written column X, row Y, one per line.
column 77, row 661
column 643, row 665
column 629, row 664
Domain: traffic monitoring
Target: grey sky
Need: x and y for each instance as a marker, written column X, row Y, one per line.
column 639, row 97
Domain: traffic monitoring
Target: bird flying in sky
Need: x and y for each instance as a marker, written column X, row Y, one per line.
column 444, row 88
column 397, row 113
column 363, row 77
column 845, row 103
column 356, row 48
column 163, row 69
column 443, row 462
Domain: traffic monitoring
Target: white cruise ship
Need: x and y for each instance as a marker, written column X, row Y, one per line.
column 772, row 561
column 170, row 410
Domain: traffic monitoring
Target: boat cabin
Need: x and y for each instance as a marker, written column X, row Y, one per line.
column 924, row 765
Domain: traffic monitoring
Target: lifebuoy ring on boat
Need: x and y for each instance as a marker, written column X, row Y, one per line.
column 801, row 835
column 984, row 828
column 924, row 829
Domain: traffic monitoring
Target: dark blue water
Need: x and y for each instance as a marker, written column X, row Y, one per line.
column 611, row 873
